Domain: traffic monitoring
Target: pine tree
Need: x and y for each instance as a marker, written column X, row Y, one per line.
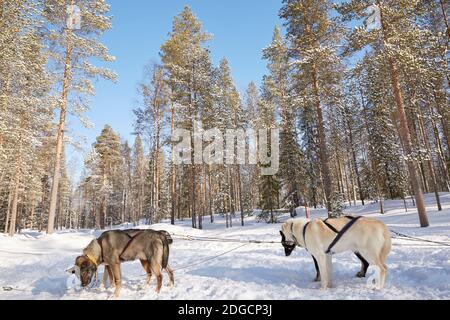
column 73, row 50
column 269, row 184
column 126, row 182
column 149, row 120
column 395, row 23
column 251, row 107
column 278, row 85
column 25, row 104
column 314, row 37
column 107, row 146
column 189, row 70
column 138, row 178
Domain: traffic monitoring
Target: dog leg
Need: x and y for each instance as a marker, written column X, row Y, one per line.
column 146, row 266
column 373, row 280
column 383, row 274
column 322, row 261
column 317, row 279
column 117, row 278
column 112, row 283
column 156, row 269
column 171, row 278
column 105, row 278
column 330, row 270
column 376, row 280
column 364, row 266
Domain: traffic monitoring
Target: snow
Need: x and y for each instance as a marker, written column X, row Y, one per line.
column 34, row 264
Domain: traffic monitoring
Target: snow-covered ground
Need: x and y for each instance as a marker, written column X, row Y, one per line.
column 34, row 264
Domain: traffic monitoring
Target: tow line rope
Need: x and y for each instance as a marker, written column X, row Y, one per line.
column 227, row 240
column 410, row 238
column 211, row 258
column 213, row 239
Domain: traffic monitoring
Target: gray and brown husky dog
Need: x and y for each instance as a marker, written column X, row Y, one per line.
column 114, row 247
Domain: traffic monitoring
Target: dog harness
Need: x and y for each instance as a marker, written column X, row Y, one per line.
column 129, row 243
column 338, row 236
column 340, row 233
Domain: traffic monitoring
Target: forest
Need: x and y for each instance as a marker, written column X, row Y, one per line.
column 357, row 89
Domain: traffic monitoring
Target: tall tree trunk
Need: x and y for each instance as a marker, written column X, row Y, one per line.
column 240, row 194
column 60, row 134
column 8, row 210
column 193, row 177
column 349, row 185
column 124, row 206
column 157, row 153
column 440, row 151
column 343, row 182
column 202, row 198
column 445, row 124
column 33, row 210
column 15, row 201
column 230, row 197
column 94, row 214
column 430, row 160
column 404, row 132
column 210, row 194
column 415, row 141
column 355, row 163
column 324, row 160
column 103, row 213
column 373, row 165
column 173, row 189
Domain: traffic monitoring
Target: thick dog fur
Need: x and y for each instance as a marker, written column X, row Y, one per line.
column 114, row 247
column 370, row 238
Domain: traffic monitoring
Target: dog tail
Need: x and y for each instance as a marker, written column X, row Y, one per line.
column 165, row 257
column 167, row 235
column 387, row 244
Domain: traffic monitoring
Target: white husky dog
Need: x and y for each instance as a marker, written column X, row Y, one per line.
column 366, row 236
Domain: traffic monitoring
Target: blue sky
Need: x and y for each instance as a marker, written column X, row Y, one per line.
column 241, row 29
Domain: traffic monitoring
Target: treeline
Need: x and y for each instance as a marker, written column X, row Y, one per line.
column 363, row 115
column 46, row 73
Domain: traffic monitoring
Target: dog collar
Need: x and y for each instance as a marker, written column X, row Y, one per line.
column 91, row 258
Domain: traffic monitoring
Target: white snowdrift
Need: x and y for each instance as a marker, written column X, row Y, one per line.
column 34, row 264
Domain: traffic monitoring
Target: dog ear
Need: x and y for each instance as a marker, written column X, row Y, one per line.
column 283, row 237
column 74, row 270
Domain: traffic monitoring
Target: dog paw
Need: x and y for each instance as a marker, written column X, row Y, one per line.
column 372, row 282
column 360, row 275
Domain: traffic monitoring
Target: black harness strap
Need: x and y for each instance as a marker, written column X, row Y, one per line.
column 304, row 234
column 292, row 233
column 129, row 242
column 330, row 226
column 342, row 232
